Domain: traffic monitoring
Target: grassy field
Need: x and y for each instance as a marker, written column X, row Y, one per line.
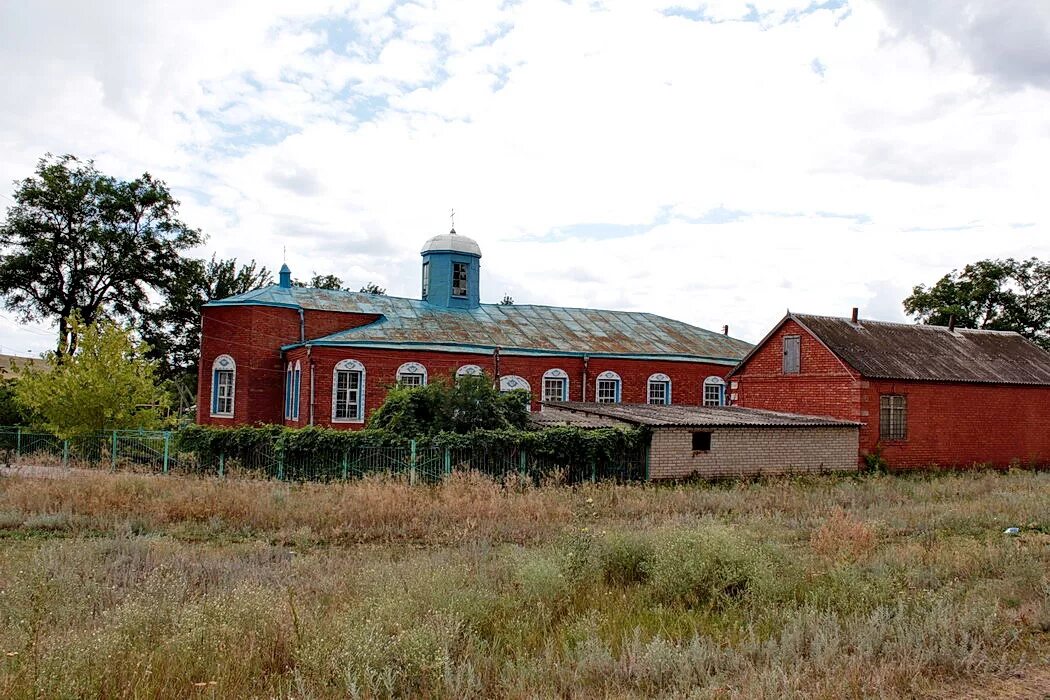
column 137, row 586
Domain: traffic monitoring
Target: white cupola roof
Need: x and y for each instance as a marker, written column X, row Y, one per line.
column 453, row 242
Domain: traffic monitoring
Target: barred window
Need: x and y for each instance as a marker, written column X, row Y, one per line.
column 893, row 417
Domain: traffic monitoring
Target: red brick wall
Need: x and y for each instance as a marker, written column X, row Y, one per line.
column 824, row 386
column 948, row 424
column 962, row 424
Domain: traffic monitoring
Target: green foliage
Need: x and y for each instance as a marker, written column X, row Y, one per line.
column 460, row 406
column 373, row 288
column 78, row 242
column 507, row 300
column 11, row 412
column 108, row 384
column 1003, row 295
column 172, row 331
column 321, row 282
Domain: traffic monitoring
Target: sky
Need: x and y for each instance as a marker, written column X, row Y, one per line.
column 714, row 162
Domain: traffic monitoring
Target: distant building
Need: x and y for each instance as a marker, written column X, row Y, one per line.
column 10, row 364
column 924, row 395
column 728, row 441
column 302, row 356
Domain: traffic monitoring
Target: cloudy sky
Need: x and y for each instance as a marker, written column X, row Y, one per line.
column 715, row 162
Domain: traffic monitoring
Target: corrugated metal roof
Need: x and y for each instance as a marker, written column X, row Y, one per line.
column 524, row 327
column 662, row 416
column 882, row 350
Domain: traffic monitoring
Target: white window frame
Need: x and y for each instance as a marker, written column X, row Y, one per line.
column 426, row 280
column 227, row 366
column 412, row 369
column 512, row 382
column 663, row 382
column 556, row 375
column 297, row 382
column 721, row 386
column 617, row 384
column 469, row 371
column 349, row 366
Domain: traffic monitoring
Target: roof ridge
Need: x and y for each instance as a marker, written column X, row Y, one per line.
column 923, row 326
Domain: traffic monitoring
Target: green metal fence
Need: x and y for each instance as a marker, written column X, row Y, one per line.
column 156, row 452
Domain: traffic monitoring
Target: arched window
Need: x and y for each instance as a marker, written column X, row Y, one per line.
column 469, row 371
column 412, row 374
column 607, row 387
column 555, row 385
column 714, row 391
column 511, row 382
column 292, row 381
column 659, row 389
column 348, row 392
column 223, row 385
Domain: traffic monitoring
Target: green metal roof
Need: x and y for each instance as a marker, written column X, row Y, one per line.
column 515, row 327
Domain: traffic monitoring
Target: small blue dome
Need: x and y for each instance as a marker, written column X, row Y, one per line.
column 452, row 242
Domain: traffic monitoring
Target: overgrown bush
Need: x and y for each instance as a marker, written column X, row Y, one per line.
column 460, row 405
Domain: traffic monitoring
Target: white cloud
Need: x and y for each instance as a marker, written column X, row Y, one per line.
column 346, row 132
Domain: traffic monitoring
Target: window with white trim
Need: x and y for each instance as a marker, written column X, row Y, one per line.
column 555, row 385
column 607, row 387
column 512, row 382
column 659, row 389
column 459, row 279
column 714, row 391
column 348, row 392
column 292, row 378
column 223, row 386
column 426, row 279
column 412, row 374
column 893, row 417
column 469, row 371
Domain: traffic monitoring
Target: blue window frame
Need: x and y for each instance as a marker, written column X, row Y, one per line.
column 714, row 391
column 223, row 386
column 607, row 387
column 658, row 390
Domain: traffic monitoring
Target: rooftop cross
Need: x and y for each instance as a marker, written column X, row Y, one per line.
column 452, row 216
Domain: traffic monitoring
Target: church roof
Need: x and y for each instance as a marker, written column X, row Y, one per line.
column 453, row 242
column 526, row 328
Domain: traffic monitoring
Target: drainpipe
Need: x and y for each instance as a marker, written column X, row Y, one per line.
column 584, row 385
column 495, row 359
column 310, row 359
column 302, row 326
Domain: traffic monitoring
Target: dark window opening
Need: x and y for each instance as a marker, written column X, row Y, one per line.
column 426, row 279
column 702, row 442
column 792, row 354
column 459, row 279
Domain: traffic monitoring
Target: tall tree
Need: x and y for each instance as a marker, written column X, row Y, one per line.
column 374, row 289
column 321, row 282
column 172, row 331
column 1006, row 295
column 106, row 384
column 78, row 242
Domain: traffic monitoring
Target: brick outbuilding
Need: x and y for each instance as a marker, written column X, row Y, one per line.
column 300, row 356
column 725, row 441
column 924, row 395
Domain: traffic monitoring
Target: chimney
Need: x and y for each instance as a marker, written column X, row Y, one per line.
column 856, row 313
column 725, row 329
column 951, row 323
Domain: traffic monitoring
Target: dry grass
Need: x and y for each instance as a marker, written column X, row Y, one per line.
column 127, row 586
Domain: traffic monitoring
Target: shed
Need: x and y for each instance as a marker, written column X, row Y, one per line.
column 721, row 441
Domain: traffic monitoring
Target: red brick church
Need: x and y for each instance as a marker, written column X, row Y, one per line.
column 301, row 356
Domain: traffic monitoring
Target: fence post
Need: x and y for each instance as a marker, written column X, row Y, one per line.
column 18, row 443
column 167, row 443
column 65, row 453
column 222, row 464
column 521, row 462
column 412, row 463
column 448, row 462
column 594, row 470
column 346, row 460
column 280, row 466
column 113, row 452
column 648, row 448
